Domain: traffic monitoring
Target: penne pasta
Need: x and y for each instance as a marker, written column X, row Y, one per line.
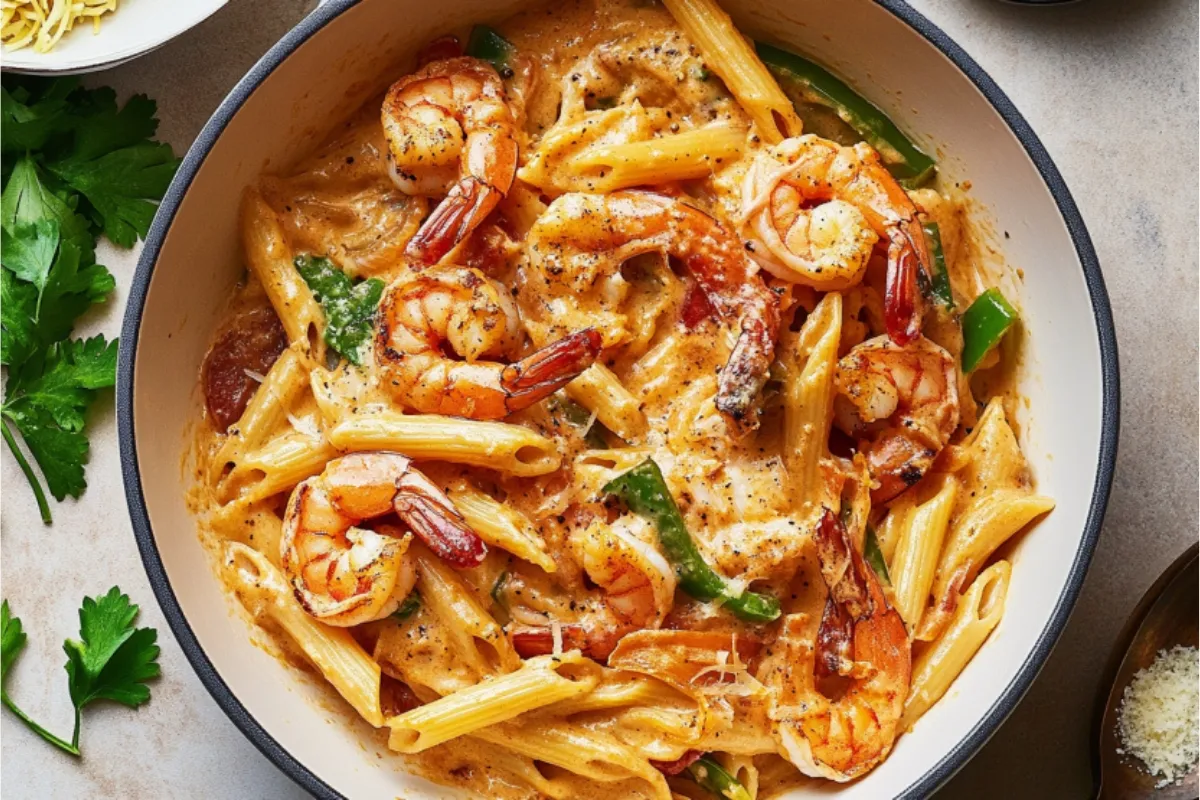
column 333, row 651
column 277, row 467
column 922, row 529
column 975, row 535
column 479, row 640
column 270, row 259
column 810, row 359
column 683, row 156
column 538, row 683
column 499, row 525
column 593, row 754
column 977, row 615
column 598, row 390
column 507, row 448
column 268, row 407
column 730, row 55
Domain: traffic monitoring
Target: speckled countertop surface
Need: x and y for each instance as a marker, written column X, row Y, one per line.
column 1111, row 88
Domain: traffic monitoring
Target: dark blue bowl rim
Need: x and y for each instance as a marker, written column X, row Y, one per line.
column 953, row 760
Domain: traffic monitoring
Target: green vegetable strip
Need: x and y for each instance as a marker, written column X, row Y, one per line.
column 874, row 555
column 498, row 590
column 713, row 777
column 349, row 307
column 488, row 45
column 984, row 325
column 645, row 491
column 409, row 606
column 940, row 286
column 911, row 166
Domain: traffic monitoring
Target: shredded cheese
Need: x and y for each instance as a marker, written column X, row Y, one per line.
column 556, row 632
column 254, row 376
column 1158, row 716
column 305, row 425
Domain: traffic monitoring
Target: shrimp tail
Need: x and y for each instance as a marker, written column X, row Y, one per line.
column 907, row 254
column 746, row 371
column 423, row 507
column 462, row 210
column 549, row 369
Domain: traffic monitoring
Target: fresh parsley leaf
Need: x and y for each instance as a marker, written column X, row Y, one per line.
column 103, row 127
column 27, row 200
column 120, row 186
column 60, row 453
column 111, row 660
column 28, row 251
column 47, row 400
column 12, row 640
column 34, row 111
column 75, row 163
column 349, row 306
column 18, row 306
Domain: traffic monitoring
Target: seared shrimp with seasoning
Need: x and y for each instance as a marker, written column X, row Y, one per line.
column 344, row 574
column 460, row 310
column 450, row 132
column 840, row 701
column 636, row 581
column 828, row 246
column 901, row 404
column 577, row 247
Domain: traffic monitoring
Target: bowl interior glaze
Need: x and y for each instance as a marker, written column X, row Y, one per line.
column 348, row 51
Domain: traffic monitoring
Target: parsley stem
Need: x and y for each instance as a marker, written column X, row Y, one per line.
column 43, row 506
column 73, row 749
column 75, row 733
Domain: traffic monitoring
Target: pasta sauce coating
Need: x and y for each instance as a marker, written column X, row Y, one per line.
column 680, row 456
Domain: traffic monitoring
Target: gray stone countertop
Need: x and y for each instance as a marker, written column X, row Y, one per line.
column 1111, row 88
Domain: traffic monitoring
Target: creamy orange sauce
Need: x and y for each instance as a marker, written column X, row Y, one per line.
column 732, row 489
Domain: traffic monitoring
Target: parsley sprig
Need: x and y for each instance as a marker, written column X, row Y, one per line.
column 75, row 166
column 112, row 660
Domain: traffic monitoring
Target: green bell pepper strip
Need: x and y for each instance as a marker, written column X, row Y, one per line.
column 645, row 491
column 713, row 777
column 939, row 287
column 873, row 555
column 488, row 45
column 907, row 162
column 984, row 325
column 408, row 607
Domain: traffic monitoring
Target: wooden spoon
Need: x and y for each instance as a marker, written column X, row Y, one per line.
column 1166, row 616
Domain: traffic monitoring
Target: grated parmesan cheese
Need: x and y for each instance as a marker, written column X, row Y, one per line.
column 1158, row 716
column 556, row 633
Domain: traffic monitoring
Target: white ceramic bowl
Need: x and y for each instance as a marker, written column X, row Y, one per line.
column 343, row 54
column 136, row 27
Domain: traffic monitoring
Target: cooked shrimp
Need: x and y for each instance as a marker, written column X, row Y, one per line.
column 577, row 246
column 827, row 247
column 637, row 583
column 450, row 131
column 462, row 310
column 345, row 575
column 901, row 403
column 840, row 702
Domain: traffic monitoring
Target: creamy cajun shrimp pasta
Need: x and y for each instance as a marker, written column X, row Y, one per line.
column 611, row 409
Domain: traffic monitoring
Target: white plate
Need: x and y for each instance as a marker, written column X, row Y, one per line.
column 348, row 50
column 136, row 27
